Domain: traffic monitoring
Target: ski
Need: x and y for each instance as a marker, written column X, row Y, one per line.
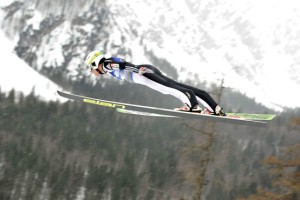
column 162, row 112
column 244, row 116
column 134, row 112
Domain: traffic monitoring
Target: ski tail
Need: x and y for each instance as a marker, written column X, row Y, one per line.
column 260, row 117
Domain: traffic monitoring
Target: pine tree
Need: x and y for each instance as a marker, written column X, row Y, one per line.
column 285, row 173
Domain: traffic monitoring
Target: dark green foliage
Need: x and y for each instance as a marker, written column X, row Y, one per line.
column 56, row 150
column 44, row 148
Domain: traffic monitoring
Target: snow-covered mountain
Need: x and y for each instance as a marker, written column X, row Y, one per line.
column 16, row 74
column 252, row 45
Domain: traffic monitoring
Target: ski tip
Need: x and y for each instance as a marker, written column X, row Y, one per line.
column 62, row 94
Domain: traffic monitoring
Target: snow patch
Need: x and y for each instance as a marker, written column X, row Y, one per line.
column 16, row 74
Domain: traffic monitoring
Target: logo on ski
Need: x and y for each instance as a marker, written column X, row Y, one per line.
column 101, row 103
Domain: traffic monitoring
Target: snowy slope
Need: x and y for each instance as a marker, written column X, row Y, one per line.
column 16, row 74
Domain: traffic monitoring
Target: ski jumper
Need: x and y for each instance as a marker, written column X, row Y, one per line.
column 151, row 77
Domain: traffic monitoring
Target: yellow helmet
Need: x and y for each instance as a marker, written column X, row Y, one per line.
column 93, row 59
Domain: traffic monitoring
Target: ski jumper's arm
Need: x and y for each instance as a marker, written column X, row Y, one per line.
column 112, row 63
column 119, row 68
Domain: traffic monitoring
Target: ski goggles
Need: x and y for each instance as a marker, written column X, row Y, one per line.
column 94, row 64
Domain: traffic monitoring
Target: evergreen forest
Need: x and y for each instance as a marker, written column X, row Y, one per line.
column 71, row 150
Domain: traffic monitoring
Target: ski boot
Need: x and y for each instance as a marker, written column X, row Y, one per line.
column 219, row 111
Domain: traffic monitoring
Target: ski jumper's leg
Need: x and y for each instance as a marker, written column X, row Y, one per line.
column 157, row 81
column 202, row 96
